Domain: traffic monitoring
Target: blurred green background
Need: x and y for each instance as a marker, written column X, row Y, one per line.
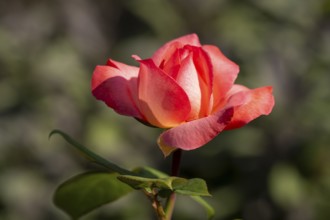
column 277, row 167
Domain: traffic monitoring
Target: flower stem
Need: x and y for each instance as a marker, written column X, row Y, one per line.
column 176, row 162
column 176, row 158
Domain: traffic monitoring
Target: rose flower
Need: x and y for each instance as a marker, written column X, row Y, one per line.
column 186, row 88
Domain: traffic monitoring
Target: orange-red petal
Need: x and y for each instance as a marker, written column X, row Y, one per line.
column 166, row 51
column 194, row 134
column 225, row 72
column 258, row 102
column 161, row 100
column 188, row 79
column 116, row 85
column 204, row 69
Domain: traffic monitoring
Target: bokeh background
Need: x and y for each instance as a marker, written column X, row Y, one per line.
column 277, row 167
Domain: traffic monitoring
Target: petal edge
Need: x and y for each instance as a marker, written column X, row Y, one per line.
column 260, row 101
column 194, row 134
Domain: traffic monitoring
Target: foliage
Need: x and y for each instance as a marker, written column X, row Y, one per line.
column 85, row 192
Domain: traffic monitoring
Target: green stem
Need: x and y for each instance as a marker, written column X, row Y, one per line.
column 176, row 158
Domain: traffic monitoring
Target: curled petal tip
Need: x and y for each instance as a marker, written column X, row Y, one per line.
column 136, row 57
column 166, row 150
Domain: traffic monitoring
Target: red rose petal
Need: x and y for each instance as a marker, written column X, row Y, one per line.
column 161, row 100
column 224, row 74
column 258, row 102
column 188, row 79
column 167, row 50
column 194, row 134
column 205, row 73
column 116, row 85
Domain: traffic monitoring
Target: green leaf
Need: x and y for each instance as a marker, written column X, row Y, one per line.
column 208, row 208
column 90, row 154
column 138, row 182
column 86, row 192
column 191, row 187
column 149, row 172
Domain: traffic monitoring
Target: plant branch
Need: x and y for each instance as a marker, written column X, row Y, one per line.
column 156, row 205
